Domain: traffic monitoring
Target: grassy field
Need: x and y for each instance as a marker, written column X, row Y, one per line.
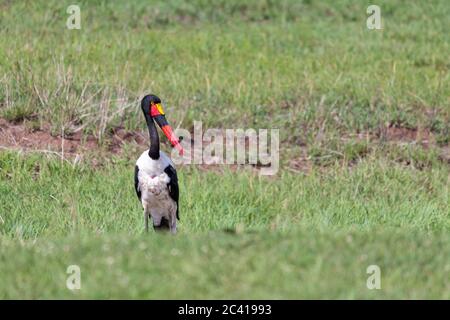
column 364, row 119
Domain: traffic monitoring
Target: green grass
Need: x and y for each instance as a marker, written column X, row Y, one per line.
column 296, row 236
column 43, row 198
column 300, row 264
column 311, row 69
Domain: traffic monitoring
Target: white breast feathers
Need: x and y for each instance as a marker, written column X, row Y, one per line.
column 154, row 186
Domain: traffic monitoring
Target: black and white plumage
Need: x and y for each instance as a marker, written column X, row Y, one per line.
column 155, row 177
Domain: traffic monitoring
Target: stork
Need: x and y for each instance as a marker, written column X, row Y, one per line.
column 155, row 177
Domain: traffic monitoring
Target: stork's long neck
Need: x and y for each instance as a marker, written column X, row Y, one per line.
column 153, row 152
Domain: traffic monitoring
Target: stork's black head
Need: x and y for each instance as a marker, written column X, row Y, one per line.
column 152, row 107
column 149, row 100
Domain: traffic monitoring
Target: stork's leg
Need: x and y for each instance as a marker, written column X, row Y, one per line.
column 146, row 214
column 173, row 223
column 146, row 221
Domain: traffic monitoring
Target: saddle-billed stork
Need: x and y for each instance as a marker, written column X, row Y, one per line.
column 155, row 177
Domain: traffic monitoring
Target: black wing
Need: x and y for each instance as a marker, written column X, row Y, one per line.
column 173, row 185
column 136, row 182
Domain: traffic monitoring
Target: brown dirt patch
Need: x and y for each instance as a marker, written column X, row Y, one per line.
column 398, row 134
column 445, row 154
column 119, row 136
column 17, row 136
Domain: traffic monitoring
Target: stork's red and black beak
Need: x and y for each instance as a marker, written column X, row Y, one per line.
column 157, row 113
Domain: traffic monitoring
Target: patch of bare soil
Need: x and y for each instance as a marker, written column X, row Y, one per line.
column 392, row 134
column 423, row 137
column 16, row 136
column 445, row 154
column 398, row 134
column 301, row 164
column 119, row 136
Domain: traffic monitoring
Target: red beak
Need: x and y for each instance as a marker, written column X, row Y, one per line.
column 172, row 138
